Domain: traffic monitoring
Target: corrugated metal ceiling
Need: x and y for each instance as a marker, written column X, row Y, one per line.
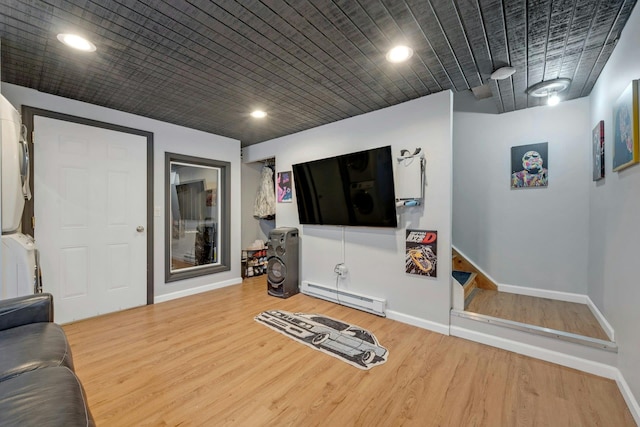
column 207, row 64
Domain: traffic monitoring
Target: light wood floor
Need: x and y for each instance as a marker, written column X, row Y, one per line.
column 203, row 361
column 560, row 315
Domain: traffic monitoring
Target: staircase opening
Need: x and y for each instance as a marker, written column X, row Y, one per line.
column 477, row 297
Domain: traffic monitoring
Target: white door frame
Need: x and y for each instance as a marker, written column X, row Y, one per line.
column 28, row 114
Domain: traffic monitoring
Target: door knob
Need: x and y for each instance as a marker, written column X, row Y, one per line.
column 140, row 229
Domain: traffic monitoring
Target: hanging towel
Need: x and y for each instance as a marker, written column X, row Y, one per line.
column 265, row 204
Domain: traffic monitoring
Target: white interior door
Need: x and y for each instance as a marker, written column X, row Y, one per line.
column 90, row 209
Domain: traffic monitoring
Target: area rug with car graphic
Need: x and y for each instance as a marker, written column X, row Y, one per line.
column 350, row 343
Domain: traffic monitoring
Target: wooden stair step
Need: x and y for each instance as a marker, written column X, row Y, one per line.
column 459, row 263
column 469, row 279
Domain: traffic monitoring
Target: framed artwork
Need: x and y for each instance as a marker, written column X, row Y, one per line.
column 283, row 187
column 421, row 256
column 625, row 128
column 597, row 140
column 529, row 165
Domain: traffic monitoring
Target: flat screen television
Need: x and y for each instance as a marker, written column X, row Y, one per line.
column 355, row 189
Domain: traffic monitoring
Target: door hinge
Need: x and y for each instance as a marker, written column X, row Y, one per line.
column 33, row 222
column 33, row 137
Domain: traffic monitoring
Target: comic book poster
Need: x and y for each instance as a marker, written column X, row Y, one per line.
column 422, row 252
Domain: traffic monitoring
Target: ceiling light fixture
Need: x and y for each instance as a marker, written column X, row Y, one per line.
column 399, row 54
column 77, row 42
column 258, row 114
column 503, row 73
column 553, row 99
column 550, row 89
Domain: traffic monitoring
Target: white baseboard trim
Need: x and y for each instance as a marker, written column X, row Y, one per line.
column 632, row 403
column 416, row 321
column 543, row 293
column 608, row 329
column 197, row 290
column 584, row 365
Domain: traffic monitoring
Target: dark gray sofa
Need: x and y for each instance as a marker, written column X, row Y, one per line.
column 38, row 386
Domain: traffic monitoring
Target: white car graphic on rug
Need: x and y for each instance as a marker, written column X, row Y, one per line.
column 351, row 343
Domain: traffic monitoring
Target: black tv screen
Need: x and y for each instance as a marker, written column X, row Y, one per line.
column 354, row 189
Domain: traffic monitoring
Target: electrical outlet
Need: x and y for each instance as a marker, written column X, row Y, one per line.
column 341, row 269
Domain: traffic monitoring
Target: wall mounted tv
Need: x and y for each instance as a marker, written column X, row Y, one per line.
column 355, row 189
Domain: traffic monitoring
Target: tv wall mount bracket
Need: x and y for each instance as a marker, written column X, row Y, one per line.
column 411, row 175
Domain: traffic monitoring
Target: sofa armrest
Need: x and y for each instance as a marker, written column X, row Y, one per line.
column 26, row 309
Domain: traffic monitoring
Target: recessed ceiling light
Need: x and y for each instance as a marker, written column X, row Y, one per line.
column 77, row 42
column 258, row 114
column 399, row 54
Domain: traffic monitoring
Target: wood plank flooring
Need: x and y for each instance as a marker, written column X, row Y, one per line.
column 547, row 313
column 203, row 361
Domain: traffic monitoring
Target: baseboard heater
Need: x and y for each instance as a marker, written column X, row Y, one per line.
column 350, row 299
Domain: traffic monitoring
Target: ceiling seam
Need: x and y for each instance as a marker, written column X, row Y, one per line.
column 349, row 57
column 604, row 46
column 466, row 39
column 584, row 41
column 566, row 37
column 435, row 54
column 261, row 48
column 446, row 38
column 204, row 64
column 364, row 56
column 337, row 83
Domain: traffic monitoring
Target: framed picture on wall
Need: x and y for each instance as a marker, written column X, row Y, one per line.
column 529, row 165
column 283, row 187
column 625, row 128
column 421, row 255
column 597, row 141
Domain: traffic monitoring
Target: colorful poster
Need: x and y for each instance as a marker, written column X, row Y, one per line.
column 422, row 252
column 625, row 128
column 283, row 187
column 529, row 166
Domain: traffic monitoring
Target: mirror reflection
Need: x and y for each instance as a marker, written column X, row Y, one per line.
column 195, row 214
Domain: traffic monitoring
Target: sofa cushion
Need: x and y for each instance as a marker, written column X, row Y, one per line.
column 33, row 346
column 26, row 309
column 44, row 397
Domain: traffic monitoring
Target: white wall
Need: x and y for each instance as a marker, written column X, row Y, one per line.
column 167, row 138
column 532, row 237
column 614, row 252
column 375, row 256
column 252, row 228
